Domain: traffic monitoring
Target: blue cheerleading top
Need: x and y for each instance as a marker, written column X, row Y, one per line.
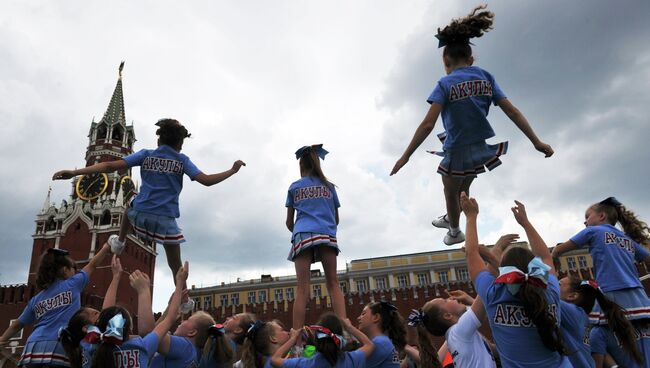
column 315, row 204
column 465, row 95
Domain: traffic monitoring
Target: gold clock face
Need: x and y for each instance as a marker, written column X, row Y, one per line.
column 91, row 186
column 127, row 186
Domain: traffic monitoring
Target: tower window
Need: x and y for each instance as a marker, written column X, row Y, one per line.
column 101, row 131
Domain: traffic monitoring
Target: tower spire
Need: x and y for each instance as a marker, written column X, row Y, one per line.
column 47, row 204
column 115, row 112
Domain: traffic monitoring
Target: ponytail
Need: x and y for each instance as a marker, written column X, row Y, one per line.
column 216, row 346
column 632, row 226
column 71, row 336
column 327, row 337
column 533, row 299
column 589, row 292
column 310, row 162
column 257, row 345
column 392, row 323
column 104, row 355
column 424, row 321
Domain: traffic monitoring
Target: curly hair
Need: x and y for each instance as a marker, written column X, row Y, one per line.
column 458, row 33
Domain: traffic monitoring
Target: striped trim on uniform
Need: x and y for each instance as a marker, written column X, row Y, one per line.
column 162, row 238
column 44, row 358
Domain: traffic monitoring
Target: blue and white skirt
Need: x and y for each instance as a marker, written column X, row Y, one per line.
column 161, row 229
column 471, row 159
column 49, row 353
column 635, row 301
column 302, row 241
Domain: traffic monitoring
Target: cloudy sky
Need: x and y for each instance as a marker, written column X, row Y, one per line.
column 256, row 80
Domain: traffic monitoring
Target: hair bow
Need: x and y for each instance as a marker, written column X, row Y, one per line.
column 324, row 332
column 513, row 277
column 591, row 283
column 58, row 252
column 254, row 327
column 113, row 334
column 216, row 330
column 416, row 317
column 611, row 201
column 389, row 307
column 317, row 148
column 447, row 40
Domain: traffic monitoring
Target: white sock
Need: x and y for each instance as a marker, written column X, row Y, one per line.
column 454, row 231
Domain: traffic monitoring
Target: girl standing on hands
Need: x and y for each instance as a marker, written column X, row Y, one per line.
column 154, row 210
column 464, row 97
column 313, row 237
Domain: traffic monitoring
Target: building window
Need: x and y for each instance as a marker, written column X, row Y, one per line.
column 234, row 299
column 197, row 303
column 381, row 283
column 279, row 296
column 290, row 294
column 582, row 262
column 262, row 296
column 362, row 286
column 207, row 303
column 344, row 287
column 423, row 279
column 317, row 291
column 224, row 300
column 443, row 276
column 402, row 281
column 462, row 274
column 251, row 297
column 571, row 262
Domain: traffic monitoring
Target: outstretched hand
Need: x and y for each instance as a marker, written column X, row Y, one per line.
column 469, row 205
column 398, row 165
column 544, row 148
column 519, row 211
column 237, row 165
column 461, row 296
column 182, row 274
column 116, row 266
column 139, row 281
column 505, row 241
column 63, row 175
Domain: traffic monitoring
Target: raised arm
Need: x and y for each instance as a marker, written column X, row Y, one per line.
column 163, row 327
column 213, row 179
column 493, row 256
column 277, row 359
column 474, row 261
column 521, row 122
column 367, row 344
column 560, row 249
column 111, row 293
column 13, row 328
column 537, row 244
column 421, row 133
column 142, row 284
column 97, row 259
column 102, row 167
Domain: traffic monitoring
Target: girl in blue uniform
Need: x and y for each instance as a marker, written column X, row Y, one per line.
column 578, row 299
column 218, row 351
column 614, row 253
column 52, row 308
column 154, row 210
column 236, row 327
column 262, row 340
column 313, row 201
column 327, row 337
column 463, row 97
column 383, row 324
column 111, row 343
column 523, row 303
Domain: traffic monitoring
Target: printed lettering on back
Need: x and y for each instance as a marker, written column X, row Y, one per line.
column 162, row 165
column 127, row 358
column 515, row 316
column 319, row 191
column 59, row 300
column 622, row 241
column 471, row 88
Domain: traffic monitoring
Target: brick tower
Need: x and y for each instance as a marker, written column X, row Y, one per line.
column 82, row 223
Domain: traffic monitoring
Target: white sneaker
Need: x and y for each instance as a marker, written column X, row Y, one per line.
column 117, row 247
column 188, row 306
column 458, row 238
column 441, row 222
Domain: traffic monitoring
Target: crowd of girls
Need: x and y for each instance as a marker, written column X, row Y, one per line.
column 536, row 319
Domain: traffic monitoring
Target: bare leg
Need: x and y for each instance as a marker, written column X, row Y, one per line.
column 125, row 226
column 328, row 258
column 173, row 252
column 464, row 187
column 302, row 262
column 452, row 187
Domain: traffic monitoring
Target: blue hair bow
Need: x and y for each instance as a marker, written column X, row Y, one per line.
column 444, row 40
column 611, row 201
column 317, row 148
column 513, row 277
column 253, row 329
column 416, row 317
column 114, row 333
